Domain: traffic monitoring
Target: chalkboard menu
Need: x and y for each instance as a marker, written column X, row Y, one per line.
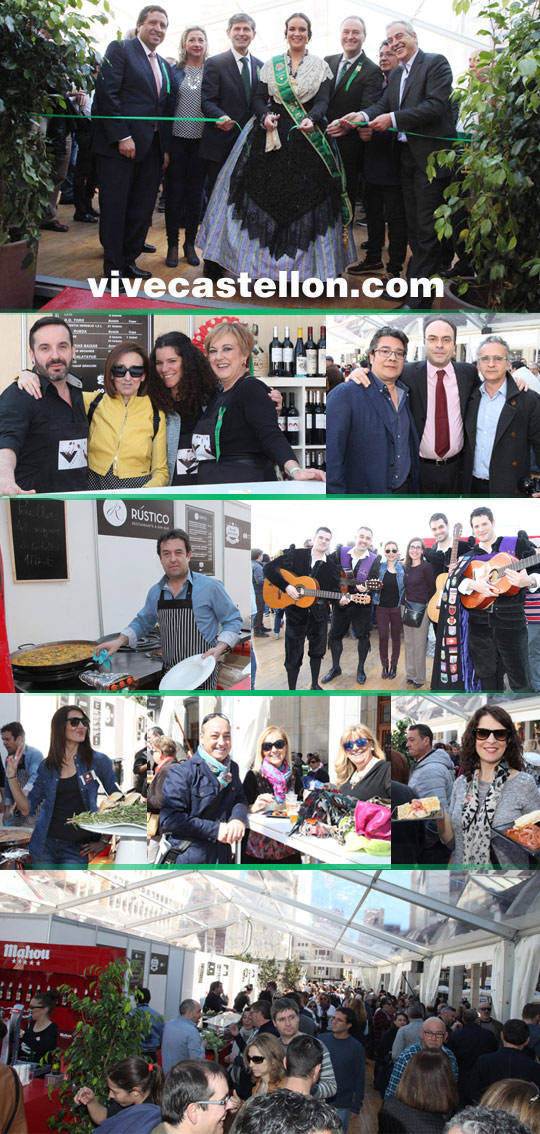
column 38, row 540
column 96, row 333
column 200, row 529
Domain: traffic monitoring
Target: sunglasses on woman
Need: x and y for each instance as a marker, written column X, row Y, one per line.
column 77, row 722
column 121, row 371
column 390, row 551
column 269, row 744
column 360, row 742
column 484, row 733
column 256, row 1059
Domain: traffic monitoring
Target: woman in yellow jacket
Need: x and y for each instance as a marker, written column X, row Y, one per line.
column 127, row 444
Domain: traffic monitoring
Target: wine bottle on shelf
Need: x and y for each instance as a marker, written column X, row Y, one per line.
column 300, row 356
column 321, row 461
column 288, row 356
column 308, row 417
column 293, row 423
column 321, row 352
column 282, row 415
column 19, row 996
column 312, row 355
column 258, row 356
column 275, row 356
column 320, row 421
column 28, row 996
column 2, row 989
column 9, row 992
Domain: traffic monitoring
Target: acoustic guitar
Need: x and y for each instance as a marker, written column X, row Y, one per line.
column 434, row 603
column 494, row 572
column 309, row 592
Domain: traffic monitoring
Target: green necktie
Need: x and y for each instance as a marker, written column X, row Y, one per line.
column 246, row 77
column 342, row 70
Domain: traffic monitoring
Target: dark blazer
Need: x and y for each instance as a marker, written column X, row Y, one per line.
column 365, row 87
column 359, row 444
column 126, row 86
column 427, row 107
column 414, row 376
column 468, row 1043
column 506, row 1063
column 517, row 429
column 188, row 792
column 222, row 92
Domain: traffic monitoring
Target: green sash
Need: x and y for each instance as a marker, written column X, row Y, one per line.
column 294, row 107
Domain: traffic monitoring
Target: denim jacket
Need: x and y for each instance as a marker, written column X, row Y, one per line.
column 400, row 576
column 32, row 760
column 44, row 793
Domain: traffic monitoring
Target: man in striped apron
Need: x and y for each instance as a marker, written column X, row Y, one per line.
column 194, row 612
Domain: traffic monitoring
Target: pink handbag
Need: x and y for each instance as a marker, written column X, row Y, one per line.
column 372, row 820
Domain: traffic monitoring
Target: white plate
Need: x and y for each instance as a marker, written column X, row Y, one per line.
column 189, row 673
column 130, row 830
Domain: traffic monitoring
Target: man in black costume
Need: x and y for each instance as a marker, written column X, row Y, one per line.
column 306, row 622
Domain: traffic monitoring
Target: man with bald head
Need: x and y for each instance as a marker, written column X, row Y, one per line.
column 357, row 80
column 432, row 1038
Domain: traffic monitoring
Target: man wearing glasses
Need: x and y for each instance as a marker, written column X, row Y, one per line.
column 432, row 1037
column 195, row 1099
column 372, row 443
column 502, row 423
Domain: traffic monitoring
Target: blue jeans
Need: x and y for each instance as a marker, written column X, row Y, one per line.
column 344, row 1116
column 60, row 852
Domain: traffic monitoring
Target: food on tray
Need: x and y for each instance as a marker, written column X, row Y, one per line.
column 527, row 837
column 116, row 809
column 61, row 654
column 420, row 808
column 528, row 819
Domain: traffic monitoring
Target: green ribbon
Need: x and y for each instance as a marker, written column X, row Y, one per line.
column 217, row 432
column 133, row 117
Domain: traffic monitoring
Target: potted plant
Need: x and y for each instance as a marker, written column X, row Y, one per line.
column 491, row 204
column 109, row 1029
column 45, row 46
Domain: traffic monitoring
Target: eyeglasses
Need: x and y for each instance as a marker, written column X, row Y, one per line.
column 415, row 547
column 121, row 371
column 385, row 352
column 77, row 722
column 492, row 358
column 485, row 733
column 256, row 1058
column 360, row 742
column 268, row 744
column 434, row 1035
column 212, row 1102
column 390, row 551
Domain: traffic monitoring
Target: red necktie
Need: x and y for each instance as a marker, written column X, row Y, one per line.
column 442, row 425
column 155, row 67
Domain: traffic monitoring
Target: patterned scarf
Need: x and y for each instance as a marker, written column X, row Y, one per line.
column 277, row 778
column 478, row 822
column 220, row 767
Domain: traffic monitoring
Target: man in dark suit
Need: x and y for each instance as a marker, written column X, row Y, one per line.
column 229, row 83
column 502, row 422
column 440, row 391
column 306, row 622
column 131, row 151
column 467, row 1044
column 371, row 439
column 357, row 80
column 417, row 99
column 511, row 1061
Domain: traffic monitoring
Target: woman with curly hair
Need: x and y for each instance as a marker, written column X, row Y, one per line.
column 267, row 784
column 263, row 1060
column 492, row 792
column 361, row 769
column 181, row 383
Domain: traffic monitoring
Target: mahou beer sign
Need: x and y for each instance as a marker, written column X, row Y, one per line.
column 50, row 958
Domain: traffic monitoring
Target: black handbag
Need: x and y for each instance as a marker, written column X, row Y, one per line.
column 413, row 613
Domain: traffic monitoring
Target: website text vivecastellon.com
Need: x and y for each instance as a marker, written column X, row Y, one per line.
column 287, row 286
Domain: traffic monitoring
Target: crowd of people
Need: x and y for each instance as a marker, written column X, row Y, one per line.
column 483, row 785
column 272, row 155
column 436, row 426
column 201, row 807
column 305, row 1059
column 481, row 631
column 178, row 417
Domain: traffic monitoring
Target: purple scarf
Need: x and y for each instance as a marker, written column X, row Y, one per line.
column 277, row 778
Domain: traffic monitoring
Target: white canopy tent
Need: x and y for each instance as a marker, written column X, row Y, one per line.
column 382, row 927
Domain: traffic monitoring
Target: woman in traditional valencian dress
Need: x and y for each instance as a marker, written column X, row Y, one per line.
column 280, row 202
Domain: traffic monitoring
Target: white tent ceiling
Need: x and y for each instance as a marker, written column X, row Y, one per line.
column 361, row 916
